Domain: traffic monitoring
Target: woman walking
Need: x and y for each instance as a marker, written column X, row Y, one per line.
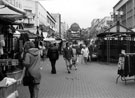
column 32, row 64
column 85, row 53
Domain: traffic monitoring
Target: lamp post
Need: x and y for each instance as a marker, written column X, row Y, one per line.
column 116, row 16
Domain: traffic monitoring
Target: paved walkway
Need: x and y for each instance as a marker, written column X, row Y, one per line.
column 94, row 80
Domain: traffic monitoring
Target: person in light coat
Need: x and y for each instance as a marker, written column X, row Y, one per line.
column 32, row 59
column 85, row 53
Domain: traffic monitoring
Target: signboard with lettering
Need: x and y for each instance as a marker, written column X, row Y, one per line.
column 75, row 36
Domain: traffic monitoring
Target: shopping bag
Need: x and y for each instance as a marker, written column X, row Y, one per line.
column 27, row 79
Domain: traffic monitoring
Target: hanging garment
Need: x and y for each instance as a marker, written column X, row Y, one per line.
column 121, row 64
column 126, row 66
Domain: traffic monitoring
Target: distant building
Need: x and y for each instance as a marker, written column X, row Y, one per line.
column 57, row 17
column 94, row 27
column 100, row 25
column 104, row 24
column 74, row 32
column 64, row 28
column 95, row 22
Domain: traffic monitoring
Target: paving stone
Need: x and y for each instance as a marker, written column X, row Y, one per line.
column 94, row 80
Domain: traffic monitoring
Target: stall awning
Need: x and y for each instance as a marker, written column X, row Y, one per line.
column 10, row 6
column 30, row 34
column 6, row 13
column 10, row 13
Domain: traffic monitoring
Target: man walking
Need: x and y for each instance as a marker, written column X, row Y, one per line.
column 67, row 55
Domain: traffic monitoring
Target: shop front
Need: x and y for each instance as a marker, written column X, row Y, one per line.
column 10, row 49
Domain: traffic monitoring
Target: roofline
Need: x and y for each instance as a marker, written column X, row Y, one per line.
column 117, row 3
column 51, row 16
column 45, row 9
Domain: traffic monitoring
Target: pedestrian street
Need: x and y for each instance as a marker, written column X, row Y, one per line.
column 94, row 80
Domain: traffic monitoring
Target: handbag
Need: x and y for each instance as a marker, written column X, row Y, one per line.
column 27, row 79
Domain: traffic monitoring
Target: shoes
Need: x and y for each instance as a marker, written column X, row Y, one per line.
column 69, row 72
column 53, row 72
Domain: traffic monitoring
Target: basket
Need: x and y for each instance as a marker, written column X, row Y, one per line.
column 16, row 74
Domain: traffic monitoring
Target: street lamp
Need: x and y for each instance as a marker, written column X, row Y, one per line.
column 116, row 16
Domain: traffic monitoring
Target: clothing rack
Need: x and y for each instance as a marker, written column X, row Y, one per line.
column 126, row 67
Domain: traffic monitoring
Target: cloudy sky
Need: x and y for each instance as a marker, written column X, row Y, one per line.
column 80, row 11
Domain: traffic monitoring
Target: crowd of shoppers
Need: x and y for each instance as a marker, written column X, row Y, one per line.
column 32, row 57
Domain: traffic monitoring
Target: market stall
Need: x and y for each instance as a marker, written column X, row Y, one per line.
column 9, row 61
column 118, row 44
column 113, row 40
column 10, row 49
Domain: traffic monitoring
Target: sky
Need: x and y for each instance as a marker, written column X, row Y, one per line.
column 80, row 11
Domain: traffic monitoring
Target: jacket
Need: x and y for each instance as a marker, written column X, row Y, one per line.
column 53, row 53
column 32, row 63
column 67, row 53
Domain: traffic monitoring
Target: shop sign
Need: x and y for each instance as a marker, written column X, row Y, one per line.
column 75, row 36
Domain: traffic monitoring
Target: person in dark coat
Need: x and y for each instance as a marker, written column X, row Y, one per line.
column 67, row 55
column 53, row 55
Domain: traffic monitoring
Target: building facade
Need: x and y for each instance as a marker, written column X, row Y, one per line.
column 104, row 24
column 38, row 16
column 94, row 27
column 128, row 9
column 64, row 28
column 100, row 25
column 57, row 17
